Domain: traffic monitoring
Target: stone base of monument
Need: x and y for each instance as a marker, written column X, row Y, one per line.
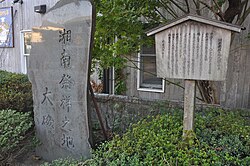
column 59, row 69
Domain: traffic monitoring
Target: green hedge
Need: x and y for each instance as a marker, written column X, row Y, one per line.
column 13, row 127
column 221, row 138
column 228, row 132
column 15, row 92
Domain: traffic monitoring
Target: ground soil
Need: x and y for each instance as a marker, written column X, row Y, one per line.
column 22, row 155
column 28, row 159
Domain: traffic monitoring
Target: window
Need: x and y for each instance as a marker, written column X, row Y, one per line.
column 147, row 80
column 25, row 45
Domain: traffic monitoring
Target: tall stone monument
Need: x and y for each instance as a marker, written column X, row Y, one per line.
column 58, row 69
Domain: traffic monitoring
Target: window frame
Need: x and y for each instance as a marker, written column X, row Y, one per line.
column 139, row 78
column 24, row 56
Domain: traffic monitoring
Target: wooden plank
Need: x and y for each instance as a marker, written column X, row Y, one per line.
column 246, row 50
column 189, row 105
column 241, row 79
column 232, row 84
column 196, row 18
column 246, row 103
column 133, row 74
column 244, row 93
column 201, row 60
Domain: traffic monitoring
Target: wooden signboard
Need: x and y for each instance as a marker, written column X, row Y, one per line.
column 192, row 48
column 193, row 51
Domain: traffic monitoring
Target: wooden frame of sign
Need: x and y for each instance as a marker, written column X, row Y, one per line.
column 192, row 48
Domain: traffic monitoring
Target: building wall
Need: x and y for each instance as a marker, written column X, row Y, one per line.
column 233, row 93
column 24, row 18
column 171, row 92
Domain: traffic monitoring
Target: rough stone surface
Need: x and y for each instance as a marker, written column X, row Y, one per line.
column 58, row 70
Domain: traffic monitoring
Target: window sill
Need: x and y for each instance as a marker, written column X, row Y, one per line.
column 151, row 90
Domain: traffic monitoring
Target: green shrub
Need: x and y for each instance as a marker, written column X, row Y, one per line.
column 63, row 162
column 226, row 131
column 15, row 92
column 156, row 142
column 221, row 138
column 13, row 127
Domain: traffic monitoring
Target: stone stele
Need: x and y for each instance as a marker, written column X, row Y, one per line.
column 58, row 70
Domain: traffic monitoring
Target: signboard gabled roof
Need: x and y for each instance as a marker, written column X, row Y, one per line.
column 212, row 22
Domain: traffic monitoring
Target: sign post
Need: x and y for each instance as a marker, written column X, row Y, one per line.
column 189, row 105
column 192, row 48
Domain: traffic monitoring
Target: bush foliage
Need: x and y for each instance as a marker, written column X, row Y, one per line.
column 13, row 127
column 228, row 132
column 62, row 162
column 15, row 92
column 220, row 138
